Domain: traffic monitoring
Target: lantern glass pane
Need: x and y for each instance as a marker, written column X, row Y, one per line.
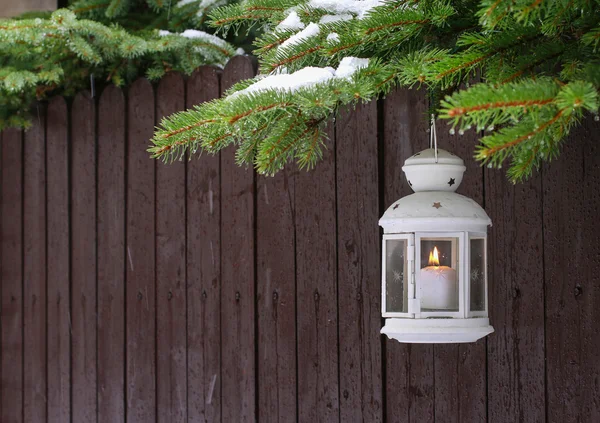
column 438, row 277
column 477, row 274
column 396, row 276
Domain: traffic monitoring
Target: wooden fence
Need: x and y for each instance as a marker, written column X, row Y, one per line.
column 199, row 291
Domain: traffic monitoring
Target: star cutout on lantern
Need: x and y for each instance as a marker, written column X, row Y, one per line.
column 451, row 182
column 437, row 205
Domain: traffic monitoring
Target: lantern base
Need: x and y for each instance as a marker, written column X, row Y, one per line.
column 436, row 330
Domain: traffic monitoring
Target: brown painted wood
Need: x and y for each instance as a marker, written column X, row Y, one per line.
column 140, row 300
column 516, row 297
column 170, row 268
column 359, row 287
column 203, row 267
column 83, row 257
column 409, row 367
column 276, row 297
column 34, row 262
column 238, row 289
column 460, row 369
column 11, row 273
column 316, row 291
column 571, row 255
column 111, row 256
column 59, row 310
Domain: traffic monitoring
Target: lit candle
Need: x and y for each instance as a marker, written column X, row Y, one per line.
column 438, row 285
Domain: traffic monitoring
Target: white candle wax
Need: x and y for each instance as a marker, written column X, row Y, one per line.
column 439, row 288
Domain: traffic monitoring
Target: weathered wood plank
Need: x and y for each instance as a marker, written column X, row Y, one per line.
column 238, row 370
column 111, row 256
column 34, row 262
column 204, row 267
column 59, row 310
column 11, row 257
column 516, row 297
column 316, row 291
column 170, row 268
column 571, row 255
column 140, row 299
column 83, row 257
column 359, row 261
column 460, row 369
column 276, row 296
column 409, row 368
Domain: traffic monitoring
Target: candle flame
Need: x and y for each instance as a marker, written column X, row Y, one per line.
column 434, row 257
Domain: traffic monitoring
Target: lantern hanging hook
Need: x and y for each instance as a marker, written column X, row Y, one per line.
column 433, row 138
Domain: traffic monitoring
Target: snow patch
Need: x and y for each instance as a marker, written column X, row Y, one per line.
column 349, row 65
column 334, row 37
column 325, row 19
column 205, row 36
column 340, row 7
column 304, row 78
column 291, row 22
column 312, row 30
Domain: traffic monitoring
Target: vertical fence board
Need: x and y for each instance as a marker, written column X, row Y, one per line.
column 111, row 256
column 170, row 268
column 203, row 268
column 460, row 369
column 316, row 280
column 359, row 292
column 409, row 368
column 276, row 296
column 11, row 257
column 140, row 326
column 59, row 330
column 571, row 255
column 516, row 298
column 34, row 261
column 83, row 258
column 238, row 289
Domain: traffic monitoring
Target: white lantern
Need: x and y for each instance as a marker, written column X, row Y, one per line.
column 434, row 277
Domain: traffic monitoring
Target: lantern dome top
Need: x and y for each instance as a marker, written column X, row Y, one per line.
column 434, row 211
column 434, row 170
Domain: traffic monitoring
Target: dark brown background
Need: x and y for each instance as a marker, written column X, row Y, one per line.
column 199, row 291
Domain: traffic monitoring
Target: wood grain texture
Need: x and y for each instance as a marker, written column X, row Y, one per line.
column 316, row 291
column 409, row 368
column 460, row 369
column 516, row 298
column 140, row 300
column 34, row 261
column 59, row 311
column 11, row 273
column 170, row 268
column 276, row 297
column 358, row 244
column 111, row 256
column 238, row 354
column 571, row 255
column 83, row 258
column 203, row 267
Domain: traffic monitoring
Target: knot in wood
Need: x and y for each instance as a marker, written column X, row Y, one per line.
column 140, row 296
column 275, row 295
column 237, row 296
column 516, row 292
column 169, row 296
column 578, row 291
column 204, row 294
column 316, row 295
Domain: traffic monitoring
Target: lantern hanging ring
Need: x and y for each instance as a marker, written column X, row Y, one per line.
column 433, row 138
